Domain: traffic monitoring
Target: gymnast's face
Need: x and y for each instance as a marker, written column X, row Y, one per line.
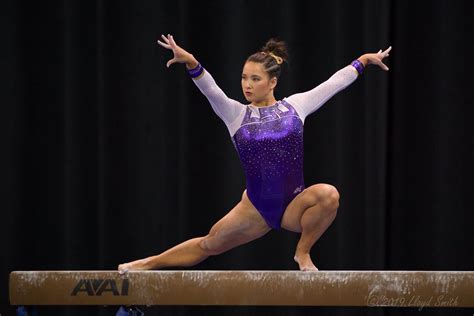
column 257, row 85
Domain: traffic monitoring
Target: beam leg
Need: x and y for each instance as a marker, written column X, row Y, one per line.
column 129, row 311
column 24, row 311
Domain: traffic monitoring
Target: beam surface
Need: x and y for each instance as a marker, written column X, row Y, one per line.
column 271, row 288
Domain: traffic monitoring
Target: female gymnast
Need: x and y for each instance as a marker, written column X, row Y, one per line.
column 268, row 136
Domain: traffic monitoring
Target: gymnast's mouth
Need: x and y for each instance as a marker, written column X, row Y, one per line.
column 248, row 93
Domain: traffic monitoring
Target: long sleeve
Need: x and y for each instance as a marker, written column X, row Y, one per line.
column 307, row 102
column 227, row 109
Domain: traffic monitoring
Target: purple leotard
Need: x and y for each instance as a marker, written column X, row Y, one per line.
column 271, row 152
column 269, row 140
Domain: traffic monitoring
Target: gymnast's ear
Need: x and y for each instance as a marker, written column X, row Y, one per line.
column 273, row 82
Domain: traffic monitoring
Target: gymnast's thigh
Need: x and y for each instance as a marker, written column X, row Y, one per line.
column 242, row 224
column 294, row 211
column 308, row 197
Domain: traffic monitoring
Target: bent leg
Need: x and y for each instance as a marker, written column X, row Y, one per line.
column 241, row 225
column 311, row 212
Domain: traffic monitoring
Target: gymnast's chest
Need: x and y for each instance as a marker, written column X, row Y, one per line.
column 269, row 126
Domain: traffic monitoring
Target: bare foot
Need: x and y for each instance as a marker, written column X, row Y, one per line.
column 305, row 262
column 136, row 265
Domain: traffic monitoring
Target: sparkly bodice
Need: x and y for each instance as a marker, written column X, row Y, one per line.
column 270, row 147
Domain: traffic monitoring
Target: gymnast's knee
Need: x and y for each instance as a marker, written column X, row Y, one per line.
column 331, row 198
column 327, row 195
column 211, row 245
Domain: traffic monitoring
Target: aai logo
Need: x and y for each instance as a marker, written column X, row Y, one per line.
column 97, row 287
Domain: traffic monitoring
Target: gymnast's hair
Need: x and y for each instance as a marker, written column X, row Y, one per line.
column 271, row 56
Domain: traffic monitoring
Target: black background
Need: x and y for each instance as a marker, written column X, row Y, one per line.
column 109, row 156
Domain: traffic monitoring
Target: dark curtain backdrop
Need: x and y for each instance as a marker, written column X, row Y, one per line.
column 109, row 156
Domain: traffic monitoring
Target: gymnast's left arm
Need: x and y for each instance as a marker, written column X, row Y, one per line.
column 307, row 102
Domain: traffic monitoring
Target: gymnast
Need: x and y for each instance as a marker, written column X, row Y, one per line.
column 268, row 137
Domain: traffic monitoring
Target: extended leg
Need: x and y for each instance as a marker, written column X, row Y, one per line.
column 185, row 254
column 241, row 225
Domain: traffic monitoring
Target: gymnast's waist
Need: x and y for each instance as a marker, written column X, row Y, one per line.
column 275, row 186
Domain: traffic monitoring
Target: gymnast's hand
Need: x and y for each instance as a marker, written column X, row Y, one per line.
column 376, row 58
column 180, row 55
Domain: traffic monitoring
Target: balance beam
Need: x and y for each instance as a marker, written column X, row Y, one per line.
column 270, row 288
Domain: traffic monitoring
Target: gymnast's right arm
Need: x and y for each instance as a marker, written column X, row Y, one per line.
column 227, row 109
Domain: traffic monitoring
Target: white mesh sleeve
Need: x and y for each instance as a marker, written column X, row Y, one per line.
column 227, row 109
column 307, row 102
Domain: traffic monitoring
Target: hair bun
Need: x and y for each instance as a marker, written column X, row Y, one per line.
column 276, row 47
column 271, row 56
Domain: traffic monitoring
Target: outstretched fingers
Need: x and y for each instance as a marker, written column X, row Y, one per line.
column 379, row 63
column 380, row 56
column 170, row 62
column 385, row 53
column 171, row 41
column 166, row 42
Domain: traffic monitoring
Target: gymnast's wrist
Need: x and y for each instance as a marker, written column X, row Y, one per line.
column 359, row 66
column 196, row 72
column 364, row 60
column 192, row 63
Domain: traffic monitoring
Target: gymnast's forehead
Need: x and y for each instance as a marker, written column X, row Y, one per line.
column 253, row 68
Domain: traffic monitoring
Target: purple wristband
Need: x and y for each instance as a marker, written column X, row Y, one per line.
column 196, row 72
column 358, row 66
